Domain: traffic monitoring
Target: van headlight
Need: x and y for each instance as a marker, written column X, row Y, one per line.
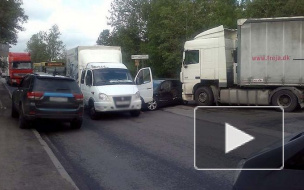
column 103, row 97
column 137, row 95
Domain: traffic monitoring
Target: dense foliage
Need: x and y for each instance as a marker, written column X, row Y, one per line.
column 46, row 46
column 159, row 28
column 12, row 17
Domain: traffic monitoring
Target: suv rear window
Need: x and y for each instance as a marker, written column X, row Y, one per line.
column 56, row 85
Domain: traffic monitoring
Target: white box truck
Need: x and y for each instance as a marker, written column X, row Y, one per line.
column 105, row 82
column 260, row 63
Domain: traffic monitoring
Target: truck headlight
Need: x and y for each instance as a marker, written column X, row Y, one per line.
column 103, row 97
column 137, row 95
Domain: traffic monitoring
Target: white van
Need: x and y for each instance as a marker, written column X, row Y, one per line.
column 109, row 87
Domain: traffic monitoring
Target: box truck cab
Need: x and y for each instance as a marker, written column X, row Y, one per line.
column 105, row 81
column 109, row 87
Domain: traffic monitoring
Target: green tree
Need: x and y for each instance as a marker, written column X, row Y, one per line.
column 3, row 64
column 129, row 28
column 12, row 17
column 160, row 28
column 55, row 47
column 171, row 23
column 46, row 46
column 37, row 47
column 274, row 8
column 104, row 38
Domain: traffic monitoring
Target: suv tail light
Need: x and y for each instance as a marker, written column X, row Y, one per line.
column 78, row 97
column 35, row 95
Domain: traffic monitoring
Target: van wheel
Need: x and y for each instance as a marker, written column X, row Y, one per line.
column 92, row 112
column 204, row 96
column 14, row 112
column 285, row 99
column 135, row 113
column 23, row 123
column 76, row 124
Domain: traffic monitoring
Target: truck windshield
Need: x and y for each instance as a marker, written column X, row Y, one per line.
column 22, row 65
column 111, row 76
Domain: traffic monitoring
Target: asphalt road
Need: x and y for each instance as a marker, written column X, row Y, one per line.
column 153, row 151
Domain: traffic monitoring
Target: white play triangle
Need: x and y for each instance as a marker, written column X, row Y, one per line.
column 235, row 138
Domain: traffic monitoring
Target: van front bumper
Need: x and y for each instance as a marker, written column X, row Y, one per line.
column 112, row 107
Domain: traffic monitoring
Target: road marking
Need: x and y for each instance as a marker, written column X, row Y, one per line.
column 55, row 161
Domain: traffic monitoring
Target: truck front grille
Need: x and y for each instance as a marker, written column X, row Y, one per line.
column 122, row 102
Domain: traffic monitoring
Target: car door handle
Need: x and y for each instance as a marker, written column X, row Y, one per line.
column 149, row 88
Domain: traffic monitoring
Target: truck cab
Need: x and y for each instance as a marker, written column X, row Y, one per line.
column 207, row 62
column 19, row 65
column 109, row 87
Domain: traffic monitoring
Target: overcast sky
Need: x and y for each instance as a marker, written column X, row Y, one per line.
column 80, row 21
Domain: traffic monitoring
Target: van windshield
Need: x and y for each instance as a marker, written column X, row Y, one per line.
column 111, row 76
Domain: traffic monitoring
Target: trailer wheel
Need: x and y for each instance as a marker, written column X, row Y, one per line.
column 204, row 96
column 285, row 99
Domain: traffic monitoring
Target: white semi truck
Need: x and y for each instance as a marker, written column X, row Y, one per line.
column 260, row 63
column 105, row 82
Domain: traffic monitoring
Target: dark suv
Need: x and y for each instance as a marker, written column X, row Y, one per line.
column 47, row 97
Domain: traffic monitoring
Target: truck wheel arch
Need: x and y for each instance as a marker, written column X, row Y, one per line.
column 293, row 93
column 294, row 90
column 204, row 96
column 213, row 88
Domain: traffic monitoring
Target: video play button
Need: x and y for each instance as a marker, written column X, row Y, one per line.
column 235, row 138
column 224, row 136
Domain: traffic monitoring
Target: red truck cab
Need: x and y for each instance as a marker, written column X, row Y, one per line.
column 19, row 65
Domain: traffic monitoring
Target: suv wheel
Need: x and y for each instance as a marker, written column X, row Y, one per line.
column 76, row 124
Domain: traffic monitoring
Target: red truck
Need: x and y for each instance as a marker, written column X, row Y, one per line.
column 19, row 65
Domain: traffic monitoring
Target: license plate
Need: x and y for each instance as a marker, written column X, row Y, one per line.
column 58, row 99
column 120, row 103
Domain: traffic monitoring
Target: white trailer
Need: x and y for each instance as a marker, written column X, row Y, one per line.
column 261, row 63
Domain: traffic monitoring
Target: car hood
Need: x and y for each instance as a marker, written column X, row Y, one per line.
column 114, row 90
